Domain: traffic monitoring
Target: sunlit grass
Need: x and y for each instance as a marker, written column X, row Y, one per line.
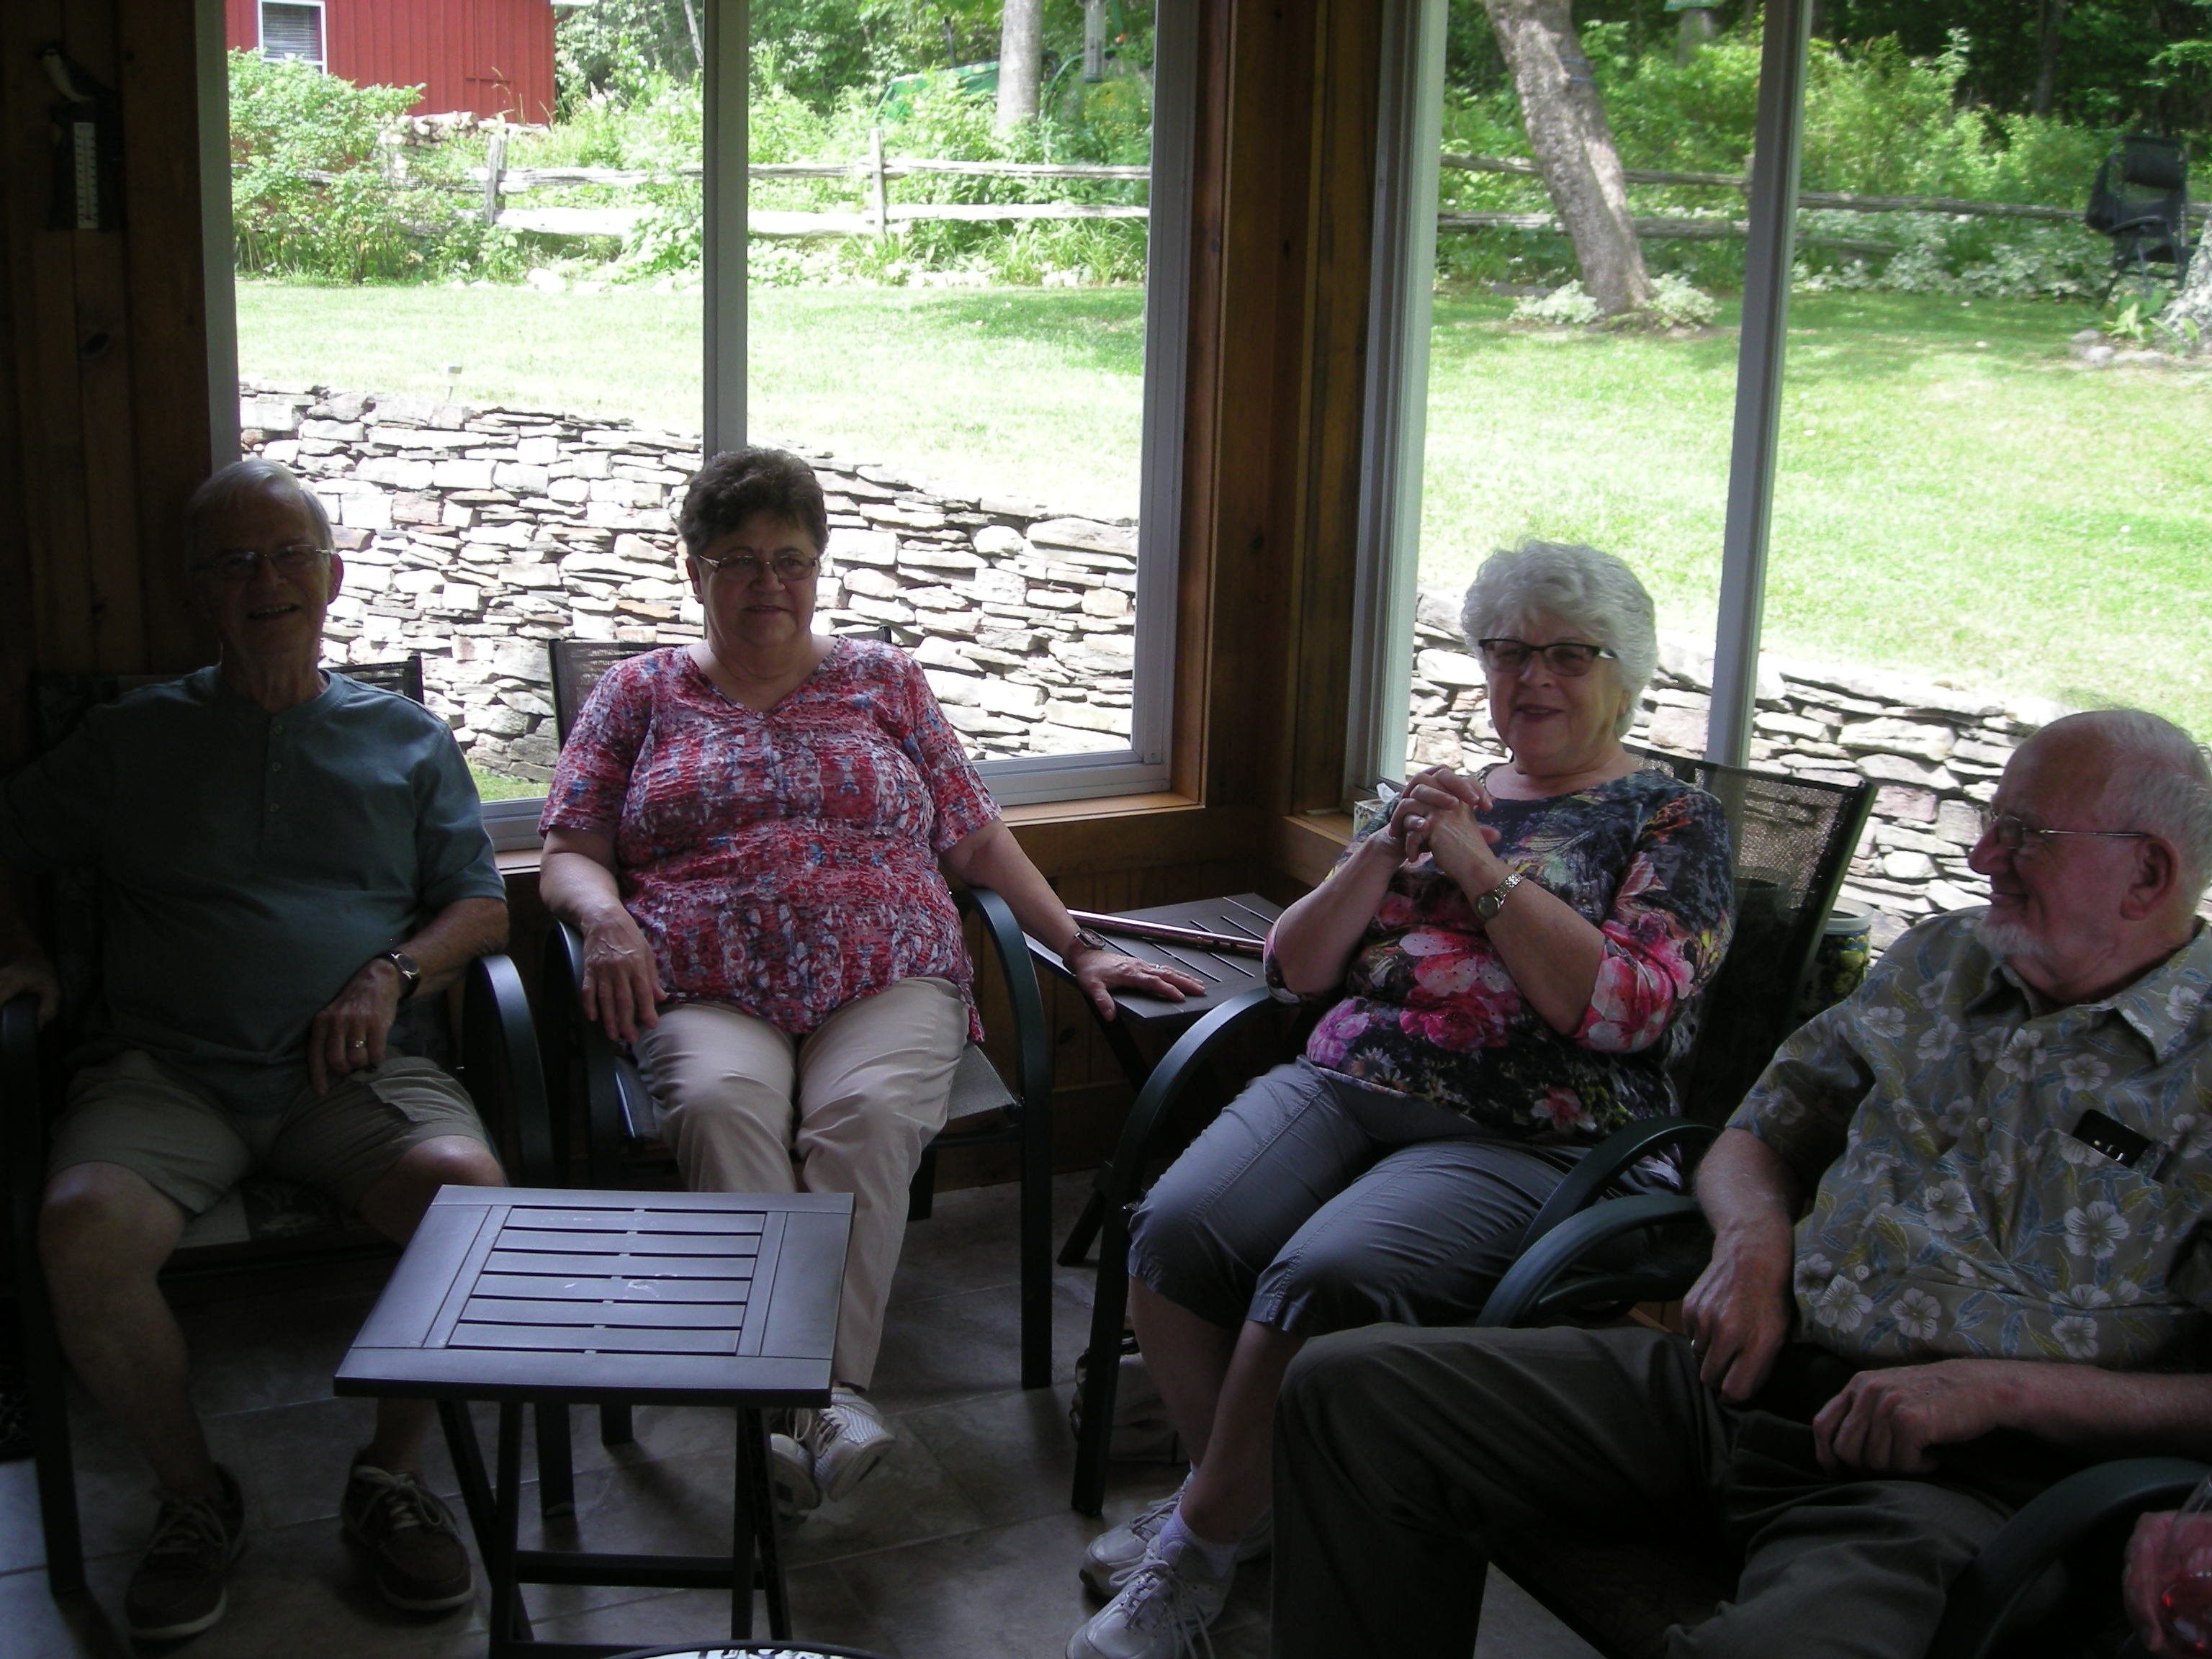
column 1982, row 513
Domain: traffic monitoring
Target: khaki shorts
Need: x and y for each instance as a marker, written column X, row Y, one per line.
column 135, row 1111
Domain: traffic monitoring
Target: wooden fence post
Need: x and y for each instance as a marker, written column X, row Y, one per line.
column 495, row 165
column 880, row 195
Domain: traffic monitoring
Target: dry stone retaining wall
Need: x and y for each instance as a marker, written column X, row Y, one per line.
column 475, row 535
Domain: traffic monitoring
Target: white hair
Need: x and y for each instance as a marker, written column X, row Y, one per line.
column 1591, row 592
column 251, row 477
column 2161, row 781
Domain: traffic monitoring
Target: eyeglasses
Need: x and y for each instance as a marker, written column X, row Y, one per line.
column 236, row 566
column 2012, row 832
column 747, row 567
column 1569, row 658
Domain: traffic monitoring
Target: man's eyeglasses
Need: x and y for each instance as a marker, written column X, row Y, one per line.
column 2012, row 832
column 747, row 567
column 236, row 565
column 1567, row 659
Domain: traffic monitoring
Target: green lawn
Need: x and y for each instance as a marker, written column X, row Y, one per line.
column 1980, row 512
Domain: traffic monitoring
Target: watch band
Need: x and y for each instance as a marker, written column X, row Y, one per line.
column 410, row 977
column 1087, row 938
column 1489, row 904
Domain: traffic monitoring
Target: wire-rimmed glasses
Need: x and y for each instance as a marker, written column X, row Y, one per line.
column 2011, row 832
column 1569, row 658
column 747, row 567
column 234, row 567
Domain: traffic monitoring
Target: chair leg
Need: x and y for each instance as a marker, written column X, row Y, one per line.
column 921, row 1191
column 1102, row 1367
column 1085, row 1232
column 1036, row 1247
column 556, row 1463
column 615, row 1428
column 45, row 1395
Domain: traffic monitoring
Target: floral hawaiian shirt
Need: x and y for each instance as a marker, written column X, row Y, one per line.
column 783, row 861
column 1957, row 1211
column 1431, row 1008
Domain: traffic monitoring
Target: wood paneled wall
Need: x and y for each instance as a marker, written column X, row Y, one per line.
column 104, row 435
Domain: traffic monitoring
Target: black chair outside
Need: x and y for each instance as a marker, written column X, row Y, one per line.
column 1620, row 1597
column 2140, row 200
column 1793, row 839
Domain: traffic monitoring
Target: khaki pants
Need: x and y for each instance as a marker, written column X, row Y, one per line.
column 852, row 1104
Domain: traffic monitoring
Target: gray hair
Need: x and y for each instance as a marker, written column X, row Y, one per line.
column 251, row 477
column 1588, row 590
column 2161, row 781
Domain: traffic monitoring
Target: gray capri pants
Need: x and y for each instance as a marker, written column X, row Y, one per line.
column 1316, row 1204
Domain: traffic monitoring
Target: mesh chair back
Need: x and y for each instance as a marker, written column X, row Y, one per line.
column 1793, row 838
column 403, row 677
column 2138, row 200
column 63, row 700
column 578, row 666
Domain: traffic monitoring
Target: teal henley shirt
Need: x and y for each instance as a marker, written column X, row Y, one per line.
column 248, row 863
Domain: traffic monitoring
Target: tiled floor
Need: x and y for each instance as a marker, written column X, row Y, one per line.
column 961, row 1546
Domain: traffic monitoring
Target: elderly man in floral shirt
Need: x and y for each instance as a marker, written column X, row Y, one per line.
column 2005, row 1137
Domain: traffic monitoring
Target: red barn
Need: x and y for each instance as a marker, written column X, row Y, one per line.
column 488, row 57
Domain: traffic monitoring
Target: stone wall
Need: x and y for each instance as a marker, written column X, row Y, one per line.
column 475, row 535
column 1934, row 751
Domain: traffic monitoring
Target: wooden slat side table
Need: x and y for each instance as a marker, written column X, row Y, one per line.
column 522, row 1295
column 1227, row 973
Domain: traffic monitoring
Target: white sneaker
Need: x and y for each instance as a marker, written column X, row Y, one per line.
column 846, row 1440
column 1116, row 1553
column 791, row 1472
column 1162, row 1611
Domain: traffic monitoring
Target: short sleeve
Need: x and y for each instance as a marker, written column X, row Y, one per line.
column 963, row 804
column 591, row 780
column 1668, row 927
column 1803, row 1102
column 54, row 812
column 451, row 849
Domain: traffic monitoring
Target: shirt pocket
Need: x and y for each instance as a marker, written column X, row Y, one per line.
column 2105, row 1234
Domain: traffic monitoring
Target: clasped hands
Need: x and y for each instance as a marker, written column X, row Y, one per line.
column 1887, row 1418
column 1439, row 816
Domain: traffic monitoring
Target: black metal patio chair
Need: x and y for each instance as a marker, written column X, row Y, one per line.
column 2140, row 200
column 1793, row 838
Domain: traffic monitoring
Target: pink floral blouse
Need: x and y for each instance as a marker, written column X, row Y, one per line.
column 1430, row 1008
column 783, row 862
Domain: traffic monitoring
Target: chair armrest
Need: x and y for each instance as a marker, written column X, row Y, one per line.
column 2050, row 1526
column 23, row 1107
column 1177, row 1070
column 1032, row 1036
column 1606, row 1162
column 498, row 1037
column 1543, row 1264
column 573, row 1037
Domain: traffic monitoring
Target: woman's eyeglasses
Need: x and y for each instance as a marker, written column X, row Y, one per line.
column 235, row 568
column 747, row 567
column 2012, row 832
column 1569, row 658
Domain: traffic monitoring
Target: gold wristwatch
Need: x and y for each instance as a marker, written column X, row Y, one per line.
column 1489, row 904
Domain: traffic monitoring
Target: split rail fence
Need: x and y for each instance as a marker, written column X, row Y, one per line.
column 881, row 214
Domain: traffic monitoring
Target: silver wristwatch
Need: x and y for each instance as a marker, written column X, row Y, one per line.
column 1488, row 904
column 1089, row 939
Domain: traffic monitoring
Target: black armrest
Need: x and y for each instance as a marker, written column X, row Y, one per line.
column 499, row 1038
column 2051, row 1525
column 1606, row 1162
column 24, row 1110
column 1032, row 1036
column 1541, row 1267
column 571, row 1038
column 1177, row 1070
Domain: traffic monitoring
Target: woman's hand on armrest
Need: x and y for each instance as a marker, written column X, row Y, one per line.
column 622, row 981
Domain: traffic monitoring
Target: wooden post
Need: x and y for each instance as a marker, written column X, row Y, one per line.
column 495, row 165
column 879, row 200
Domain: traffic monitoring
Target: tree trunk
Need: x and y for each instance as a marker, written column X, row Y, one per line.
column 2194, row 303
column 2047, row 66
column 1021, row 61
column 1573, row 147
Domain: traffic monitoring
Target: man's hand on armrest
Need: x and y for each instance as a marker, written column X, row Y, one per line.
column 349, row 1033
column 23, row 963
column 1738, row 1312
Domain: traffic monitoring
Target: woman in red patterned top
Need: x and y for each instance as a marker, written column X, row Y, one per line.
column 748, row 831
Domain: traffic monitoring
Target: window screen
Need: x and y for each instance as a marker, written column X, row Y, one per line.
column 292, row 32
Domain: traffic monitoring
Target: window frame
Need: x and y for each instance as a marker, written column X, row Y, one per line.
column 1142, row 766
column 321, row 60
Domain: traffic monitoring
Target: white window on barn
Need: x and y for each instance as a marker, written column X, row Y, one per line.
column 292, row 31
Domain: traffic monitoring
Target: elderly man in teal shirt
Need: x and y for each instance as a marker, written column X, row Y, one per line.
column 1960, row 1248
column 288, row 862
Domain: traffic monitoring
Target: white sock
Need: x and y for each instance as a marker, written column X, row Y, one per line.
column 1175, row 1537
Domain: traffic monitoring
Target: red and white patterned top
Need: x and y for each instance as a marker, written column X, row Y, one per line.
column 783, row 862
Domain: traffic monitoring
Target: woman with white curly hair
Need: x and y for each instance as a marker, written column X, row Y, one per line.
column 1507, row 959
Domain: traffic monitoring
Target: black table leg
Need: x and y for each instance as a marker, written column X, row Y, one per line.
column 743, row 1516
column 754, row 1430
column 510, row 1624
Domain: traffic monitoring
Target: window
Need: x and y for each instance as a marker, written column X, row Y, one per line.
column 293, row 31
column 503, row 432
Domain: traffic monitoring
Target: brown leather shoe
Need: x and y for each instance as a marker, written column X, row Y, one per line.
column 178, row 1589
column 408, row 1533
